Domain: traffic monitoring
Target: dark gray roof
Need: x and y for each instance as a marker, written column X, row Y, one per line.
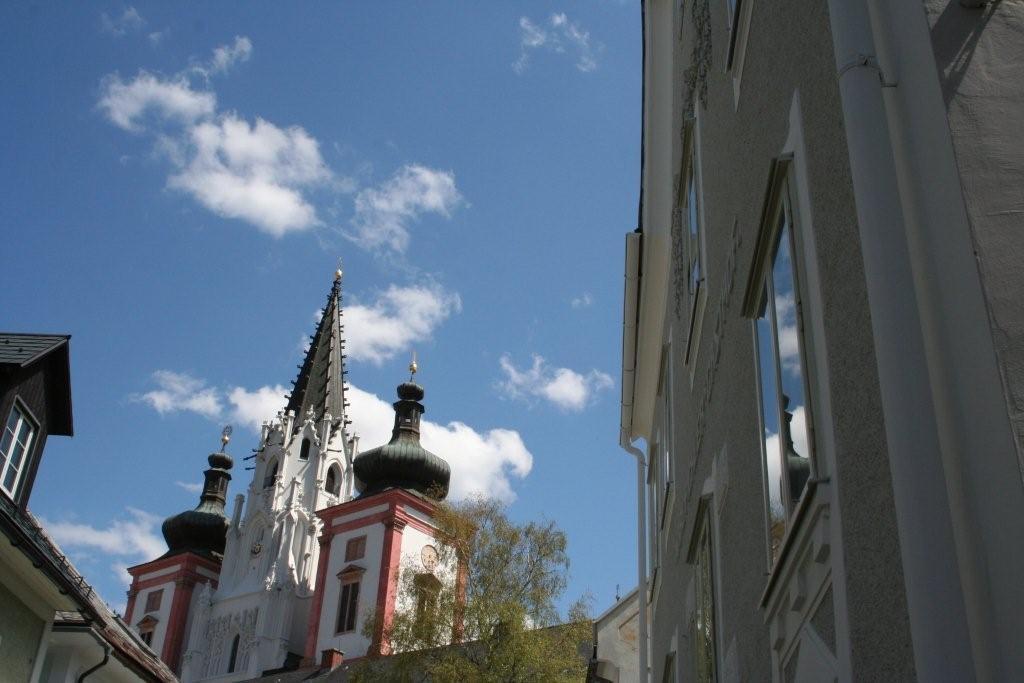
column 22, row 349
column 320, row 384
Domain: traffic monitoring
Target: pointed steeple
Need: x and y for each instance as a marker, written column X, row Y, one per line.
column 320, row 386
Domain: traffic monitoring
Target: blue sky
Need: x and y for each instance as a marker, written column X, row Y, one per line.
column 181, row 179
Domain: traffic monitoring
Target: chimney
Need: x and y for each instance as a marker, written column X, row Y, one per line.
column 331, row 659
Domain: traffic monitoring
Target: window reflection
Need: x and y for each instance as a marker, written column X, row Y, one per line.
column 785, row 419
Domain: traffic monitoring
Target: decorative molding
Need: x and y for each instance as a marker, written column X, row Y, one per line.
column 695, row 78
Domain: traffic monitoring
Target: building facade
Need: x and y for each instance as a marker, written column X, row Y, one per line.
column 53, row 627
column 313, row 550
column 822, row 344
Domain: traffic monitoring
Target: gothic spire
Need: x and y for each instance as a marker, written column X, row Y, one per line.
column 320, row 386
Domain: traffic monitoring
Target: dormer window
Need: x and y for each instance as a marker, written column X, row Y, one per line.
column 15, row 448
column 304, row 450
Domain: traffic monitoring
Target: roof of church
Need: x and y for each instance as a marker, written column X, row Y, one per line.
column 320, row 385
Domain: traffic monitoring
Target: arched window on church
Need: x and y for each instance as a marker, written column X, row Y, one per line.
column 333, row 482
column 268, row 481
column 233, row 660
column 304, row 451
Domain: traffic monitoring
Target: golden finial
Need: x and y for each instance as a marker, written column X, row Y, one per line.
column 225, row 436
column 338, row 273
column 413, row 367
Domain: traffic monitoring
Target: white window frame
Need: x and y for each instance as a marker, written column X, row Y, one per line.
column 25, row 416
column 738, row 17
column 782, row 198
column 696, row 291
column 704, row 528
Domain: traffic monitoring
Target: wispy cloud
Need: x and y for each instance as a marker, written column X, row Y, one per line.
column 126, row 103
column 191, row 487
column 124, row 541
column 120, row 25
column 383, row 213
column 584, row 300
column 254, row 172
column 226, row 56
column 558, row 35
column 398, row 318
column 178, row 392
column 566, row 389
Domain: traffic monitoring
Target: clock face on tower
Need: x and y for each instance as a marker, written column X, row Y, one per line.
column 429, row 557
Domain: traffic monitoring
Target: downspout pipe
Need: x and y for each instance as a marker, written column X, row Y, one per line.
column 641, row 548
column 630, row 310
column 103, row 663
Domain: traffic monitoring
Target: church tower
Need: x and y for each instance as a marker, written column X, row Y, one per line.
column 255, row 618
column 368, row 542
column 162, row 593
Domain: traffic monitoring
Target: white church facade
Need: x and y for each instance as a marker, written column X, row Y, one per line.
column 313, row 549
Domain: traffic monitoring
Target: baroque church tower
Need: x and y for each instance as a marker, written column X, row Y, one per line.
column 256, row 618
column 315, row 546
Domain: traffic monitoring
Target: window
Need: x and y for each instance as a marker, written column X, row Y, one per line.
column 428, row 587
column 348, row 607
column 19, row 432
column 333, row 482
column 704, row 612
column 355, row 549
column 147, row 637
column 689, row 235
column 787, row 441
column 147, row 628
column 153, row 600
column 233, row 659
column 662, row 435
column 271, row 477
column 304, row 450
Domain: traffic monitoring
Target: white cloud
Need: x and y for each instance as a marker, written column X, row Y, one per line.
column 129, row 21
column 582, row 301
column 178, row 391
column 383, row 213
column 398, row 318
column 560, row 35
column 172, row 98
column 252, row 408
column 481, row 462
column 133, row 538
column 157, row 37
column 226, row 56
column 194, row 487
column 565, row 388
column 256, row 172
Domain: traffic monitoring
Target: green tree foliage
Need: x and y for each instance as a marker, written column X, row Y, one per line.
column 494, row 619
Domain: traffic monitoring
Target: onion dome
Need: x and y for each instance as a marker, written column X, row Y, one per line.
column 204, row 529
column 403, row 462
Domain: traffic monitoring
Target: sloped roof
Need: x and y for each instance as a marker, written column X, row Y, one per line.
column 320, row 384
column 21, row 349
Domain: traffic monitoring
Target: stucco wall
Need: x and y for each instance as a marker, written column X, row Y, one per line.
column 353, row 643
column 979, row 53
column 789, row 57
column 21, row 629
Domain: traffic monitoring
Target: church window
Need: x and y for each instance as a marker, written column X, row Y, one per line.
column 147, row 628
column 233, row 659
column 147, row 637
column 787, row 438
column 15, row 445
column 154, row 599
column 355, row 549
column 333, row 481
column 271, row 477
column 304, row 450
column 348, row 606
column 427, row 590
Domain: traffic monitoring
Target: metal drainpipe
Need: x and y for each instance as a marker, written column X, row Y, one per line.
column 641, row 547
column 106, row 658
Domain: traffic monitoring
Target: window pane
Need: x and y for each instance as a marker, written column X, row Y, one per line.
column 705, row 613
column 694, row 227
column 795, row 419
column 12, row 475
column 12, row 419
column 770, row 437
column 353, row 604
